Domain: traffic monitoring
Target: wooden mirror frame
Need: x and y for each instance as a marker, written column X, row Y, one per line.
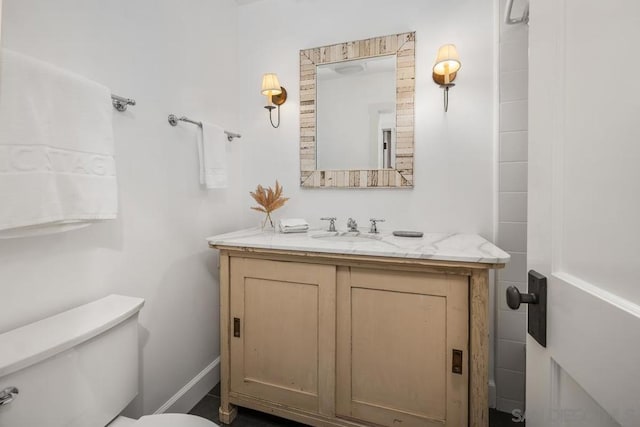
column 0, row 22
column 403, row 47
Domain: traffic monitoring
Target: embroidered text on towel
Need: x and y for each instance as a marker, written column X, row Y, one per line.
column 37, row 158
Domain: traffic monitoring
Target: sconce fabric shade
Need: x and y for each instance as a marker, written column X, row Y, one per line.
column 448, row 61
column 270, row 85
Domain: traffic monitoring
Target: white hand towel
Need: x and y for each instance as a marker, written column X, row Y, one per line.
column 293, row 225
column 57, row 168
column 212, row 150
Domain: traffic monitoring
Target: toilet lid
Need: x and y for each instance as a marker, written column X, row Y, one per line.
column 173, row 420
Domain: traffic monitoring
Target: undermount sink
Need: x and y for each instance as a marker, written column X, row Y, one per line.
column 347, row 236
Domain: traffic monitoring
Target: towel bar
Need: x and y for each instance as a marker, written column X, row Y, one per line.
column 173, row 121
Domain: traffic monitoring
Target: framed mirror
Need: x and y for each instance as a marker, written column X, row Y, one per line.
column 357, row 113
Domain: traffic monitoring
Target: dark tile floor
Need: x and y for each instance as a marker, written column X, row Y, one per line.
column 208, row 408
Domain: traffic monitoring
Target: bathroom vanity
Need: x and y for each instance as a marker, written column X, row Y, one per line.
column 352, row 329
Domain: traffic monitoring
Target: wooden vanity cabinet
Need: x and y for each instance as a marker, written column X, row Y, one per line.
column 332, row 340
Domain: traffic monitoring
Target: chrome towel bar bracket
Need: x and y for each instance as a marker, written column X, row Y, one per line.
column 120, row 103
column 8, row 395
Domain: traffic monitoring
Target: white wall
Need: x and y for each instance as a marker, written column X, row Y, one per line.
column 454, row 152
column 170, row 57
column 512, row 199
column 454, row 160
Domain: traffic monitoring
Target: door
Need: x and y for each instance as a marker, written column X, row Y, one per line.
column 386, row 148
column 283, row 332
column 584, row 212
column 400, row 337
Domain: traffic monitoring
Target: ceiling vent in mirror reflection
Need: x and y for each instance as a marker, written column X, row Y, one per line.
column 350, row 69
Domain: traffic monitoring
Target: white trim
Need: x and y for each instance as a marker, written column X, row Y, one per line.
column 187, row 397
column 493, row 397
column 0, row 21
column 493, row 283
column 600, row 293
column 599, row 362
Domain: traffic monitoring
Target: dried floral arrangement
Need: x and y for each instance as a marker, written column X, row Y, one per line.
column 269, row 200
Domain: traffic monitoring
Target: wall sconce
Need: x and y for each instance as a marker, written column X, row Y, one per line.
column 275, row 94
column 445, row 69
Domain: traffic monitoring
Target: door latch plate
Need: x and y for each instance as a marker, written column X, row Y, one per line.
column 537, row 313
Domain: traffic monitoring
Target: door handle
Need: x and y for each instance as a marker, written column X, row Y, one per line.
column 515, row 298
column 536, row 297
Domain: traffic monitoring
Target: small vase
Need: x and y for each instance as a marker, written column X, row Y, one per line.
column 267, row 224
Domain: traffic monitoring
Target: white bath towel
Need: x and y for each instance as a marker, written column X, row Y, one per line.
column 293, row 225
column 57, row 168
column 212, row 151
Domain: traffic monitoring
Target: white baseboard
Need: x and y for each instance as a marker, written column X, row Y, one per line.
column 187, row 397
column 492, row 394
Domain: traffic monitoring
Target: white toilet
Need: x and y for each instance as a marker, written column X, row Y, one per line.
column 77, row 369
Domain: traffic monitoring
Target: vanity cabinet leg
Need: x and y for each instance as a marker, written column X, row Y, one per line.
column 227, row 413
column 479, row 361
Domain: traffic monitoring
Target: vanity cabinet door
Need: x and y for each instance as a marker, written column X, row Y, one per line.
column 282, row 338
column 396, row 336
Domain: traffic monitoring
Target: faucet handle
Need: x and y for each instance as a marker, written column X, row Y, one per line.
column 332, row 222
column 374, row 227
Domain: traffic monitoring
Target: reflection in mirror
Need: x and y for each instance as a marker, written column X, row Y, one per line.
column 356, row 108
column 357, row 113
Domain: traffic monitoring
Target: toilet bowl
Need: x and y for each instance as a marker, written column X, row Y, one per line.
column 163, row 420
column 77, row 369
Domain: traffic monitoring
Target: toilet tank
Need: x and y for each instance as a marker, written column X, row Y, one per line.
column 78, row 368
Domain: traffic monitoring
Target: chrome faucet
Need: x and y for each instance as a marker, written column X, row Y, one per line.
column 352, row 225
column 332, row 222
column 374, row 226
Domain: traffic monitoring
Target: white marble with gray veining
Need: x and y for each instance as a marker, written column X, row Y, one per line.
column 433, row 246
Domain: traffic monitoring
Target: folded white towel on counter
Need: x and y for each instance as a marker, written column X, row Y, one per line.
column 213, row 156
column 293, row 225
column 57, row 169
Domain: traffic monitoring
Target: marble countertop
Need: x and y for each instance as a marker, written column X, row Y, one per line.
column 432, row 246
